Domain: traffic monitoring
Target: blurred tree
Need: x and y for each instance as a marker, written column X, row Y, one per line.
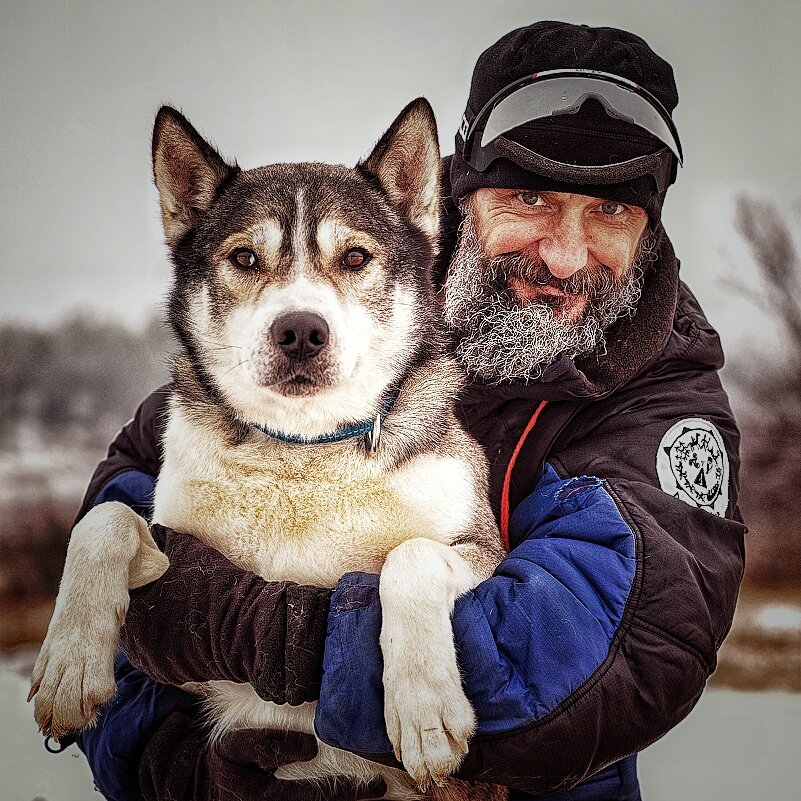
column 79, row 380
column 770, row 417
column 34, row 544
column 72, row 385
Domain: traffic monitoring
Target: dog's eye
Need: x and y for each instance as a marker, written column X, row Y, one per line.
column 243, row 258
column 355, row 258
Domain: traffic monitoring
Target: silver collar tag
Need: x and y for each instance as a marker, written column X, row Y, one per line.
column 372, row 437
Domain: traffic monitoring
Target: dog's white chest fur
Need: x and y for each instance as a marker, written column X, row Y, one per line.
column 305, row 514
column 308, row 514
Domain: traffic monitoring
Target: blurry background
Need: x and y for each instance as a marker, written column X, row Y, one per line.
column 84, row 270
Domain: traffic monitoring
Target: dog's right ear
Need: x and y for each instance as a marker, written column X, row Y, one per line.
column 188, row 172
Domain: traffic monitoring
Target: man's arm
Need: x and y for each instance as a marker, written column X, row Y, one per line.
column 228, row 624
column 598, row 632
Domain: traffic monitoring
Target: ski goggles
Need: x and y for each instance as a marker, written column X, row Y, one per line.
column 557, row 92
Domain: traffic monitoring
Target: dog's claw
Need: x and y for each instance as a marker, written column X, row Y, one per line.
column 44, row 724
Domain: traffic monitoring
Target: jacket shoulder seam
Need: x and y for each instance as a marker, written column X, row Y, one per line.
column 636, row 620
column 658, row 631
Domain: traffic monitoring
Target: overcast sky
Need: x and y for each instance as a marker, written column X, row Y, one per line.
column 80, row 83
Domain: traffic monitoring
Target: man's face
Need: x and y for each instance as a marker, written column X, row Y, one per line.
column 537, row 274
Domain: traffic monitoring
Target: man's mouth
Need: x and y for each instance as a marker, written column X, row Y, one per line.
column 528, row 291
column 566, row 305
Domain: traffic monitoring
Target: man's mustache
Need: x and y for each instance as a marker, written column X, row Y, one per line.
column 590, row 280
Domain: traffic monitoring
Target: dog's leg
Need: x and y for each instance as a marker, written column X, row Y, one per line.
column 429, row 719
column 332, row 764
column 110, row 551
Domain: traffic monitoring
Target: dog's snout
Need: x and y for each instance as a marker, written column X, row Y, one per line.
column 300, row 335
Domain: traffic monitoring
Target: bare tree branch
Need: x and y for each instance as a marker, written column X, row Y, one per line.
column 771, row 418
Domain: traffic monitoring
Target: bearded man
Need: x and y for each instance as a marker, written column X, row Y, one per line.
column 613, row 456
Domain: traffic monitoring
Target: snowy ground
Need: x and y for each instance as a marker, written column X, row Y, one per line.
column 733, row 747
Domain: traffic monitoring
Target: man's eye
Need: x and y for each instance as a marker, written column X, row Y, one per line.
column 611, row 208
column 355, row 258
column 531, row 198
column 243, row 258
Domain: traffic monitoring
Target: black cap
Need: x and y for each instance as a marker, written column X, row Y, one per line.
column 590, row 136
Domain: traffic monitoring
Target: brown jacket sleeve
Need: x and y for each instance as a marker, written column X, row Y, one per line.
column 205, row 619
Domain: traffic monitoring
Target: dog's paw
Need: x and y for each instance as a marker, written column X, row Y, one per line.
column 429, row 719
column 429, row 722
column 74, row 673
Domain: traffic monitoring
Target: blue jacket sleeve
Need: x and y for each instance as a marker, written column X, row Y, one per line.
column 113, row 747
column 527, row 638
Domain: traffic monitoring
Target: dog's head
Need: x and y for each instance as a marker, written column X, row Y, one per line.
column 302, row 291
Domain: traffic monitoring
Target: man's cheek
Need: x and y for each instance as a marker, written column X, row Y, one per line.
column 623, row 262
column 512, row 238
column 618, row 259
column 617, row 251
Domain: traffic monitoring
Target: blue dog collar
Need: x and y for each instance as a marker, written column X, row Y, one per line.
column 369, row 429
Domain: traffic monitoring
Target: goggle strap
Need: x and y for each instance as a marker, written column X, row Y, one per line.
column 656, row 164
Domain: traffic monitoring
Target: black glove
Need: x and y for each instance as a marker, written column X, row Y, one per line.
column 228, row 624
column 179, row 764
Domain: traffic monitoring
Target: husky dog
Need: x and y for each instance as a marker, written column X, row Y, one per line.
column 303, row 303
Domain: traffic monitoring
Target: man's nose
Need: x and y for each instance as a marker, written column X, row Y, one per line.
column 564, row 250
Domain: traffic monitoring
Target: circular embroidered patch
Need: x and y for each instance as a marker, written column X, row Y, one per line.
column 693, row 466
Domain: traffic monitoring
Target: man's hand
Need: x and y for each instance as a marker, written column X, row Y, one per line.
column 228, row 624
column 180, row 764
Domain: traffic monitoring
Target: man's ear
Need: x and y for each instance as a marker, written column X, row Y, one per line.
column 407, row 165
column 188, row 172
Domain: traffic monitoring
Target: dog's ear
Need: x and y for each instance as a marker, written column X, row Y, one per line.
column 406, row 163
column 188, row 172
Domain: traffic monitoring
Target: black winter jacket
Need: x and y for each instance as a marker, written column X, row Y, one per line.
column 598, row 632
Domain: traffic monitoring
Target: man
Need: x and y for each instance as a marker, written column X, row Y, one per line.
column 613, row 457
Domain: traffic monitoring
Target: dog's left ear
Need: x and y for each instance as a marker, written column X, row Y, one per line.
column 407, row 164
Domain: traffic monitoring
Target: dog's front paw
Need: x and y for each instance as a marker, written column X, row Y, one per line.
column 429, row 719
column 74, row 673
column 429, row 722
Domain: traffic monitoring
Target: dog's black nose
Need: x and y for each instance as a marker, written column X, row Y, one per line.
column 300, row 335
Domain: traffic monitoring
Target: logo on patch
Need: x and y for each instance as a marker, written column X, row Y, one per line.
column 693, row 466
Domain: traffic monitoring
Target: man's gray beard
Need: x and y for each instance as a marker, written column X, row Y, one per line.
column 501, row 339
